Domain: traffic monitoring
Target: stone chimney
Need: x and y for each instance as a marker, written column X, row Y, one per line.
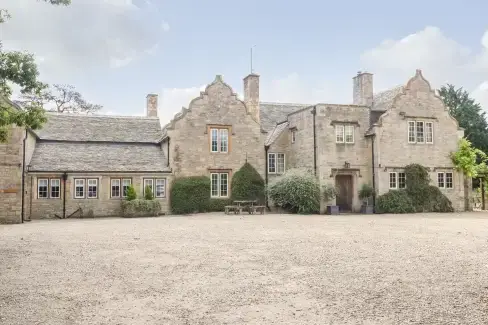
column 251, row 95
column 363, row 89
column 152, row 105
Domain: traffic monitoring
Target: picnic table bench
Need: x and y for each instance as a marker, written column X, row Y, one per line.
column 240, row 205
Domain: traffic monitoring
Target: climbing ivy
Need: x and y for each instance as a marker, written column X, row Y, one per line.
column 468, row 159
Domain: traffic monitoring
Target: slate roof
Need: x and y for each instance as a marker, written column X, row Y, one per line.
column 275, row 133
column 78, row 127
column 273, row 113
column 382, row 101
column 97, row 157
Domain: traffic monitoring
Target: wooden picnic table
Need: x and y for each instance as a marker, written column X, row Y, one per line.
column 249, row 205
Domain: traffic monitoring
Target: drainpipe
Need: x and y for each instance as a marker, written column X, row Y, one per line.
column 373, row 170
column 168, row 151
column 22, row 213
column 65, row 177
column 314, row 112
column 266, row 148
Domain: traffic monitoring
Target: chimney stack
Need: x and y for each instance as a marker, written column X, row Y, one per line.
column 363, row 89
column 152, row 105
column 251, row 95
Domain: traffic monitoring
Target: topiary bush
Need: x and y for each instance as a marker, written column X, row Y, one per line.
column 140, row 208
column 131, row 193
column 247, row 184
column 190, row 194
column 217, row 205
column 297, row 191
column 148, row 193
column 395, row 201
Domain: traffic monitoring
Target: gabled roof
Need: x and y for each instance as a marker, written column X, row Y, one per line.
column 273, row 113
column 100, row 128
column 97, row 157
column 275, row 133
column 382, row 101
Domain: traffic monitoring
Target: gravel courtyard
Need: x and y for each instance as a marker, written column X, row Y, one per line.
column 271, row 269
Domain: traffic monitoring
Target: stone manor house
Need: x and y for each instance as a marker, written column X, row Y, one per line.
column 85, row 163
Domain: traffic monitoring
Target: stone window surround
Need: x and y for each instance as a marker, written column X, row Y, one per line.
column 415, row 123
column 445, row 182
column 85, row 188
column 219, row 172
column 219, row 128
column 293, row 134
column 343, row 131
column 276, row 155
column 121, row 186
column 153, row 182
column 396, row 178
column 49, row 187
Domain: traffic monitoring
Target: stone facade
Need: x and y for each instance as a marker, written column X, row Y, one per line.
column 367, row 142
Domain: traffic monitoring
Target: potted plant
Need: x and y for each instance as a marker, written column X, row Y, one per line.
column 329, row 193
column 366, row 194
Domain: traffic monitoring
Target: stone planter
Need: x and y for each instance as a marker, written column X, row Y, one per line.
column 332, row 209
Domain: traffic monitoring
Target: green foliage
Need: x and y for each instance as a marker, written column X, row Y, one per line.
column 131, row 193
column 395, row 201
column 419, row 195
column 366, row 191
column 468, row 113
column 329, row 192
column 140, row 208
column 247, row 184
column 148, row 193
column 217, row 205
column 190, row 194
column 297, row 191
column 466, row 159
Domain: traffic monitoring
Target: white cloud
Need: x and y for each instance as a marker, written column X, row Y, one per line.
column 87, row 34
column 172, row 100
column 441, row 59
column 165, row 26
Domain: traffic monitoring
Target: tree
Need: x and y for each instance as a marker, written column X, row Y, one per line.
column 469, row 115
column 19, row 68
column 64, row 98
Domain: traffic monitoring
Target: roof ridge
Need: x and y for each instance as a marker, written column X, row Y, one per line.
column 280, row 103
column 103, row 115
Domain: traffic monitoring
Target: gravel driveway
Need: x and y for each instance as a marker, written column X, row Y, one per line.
column 271, row 269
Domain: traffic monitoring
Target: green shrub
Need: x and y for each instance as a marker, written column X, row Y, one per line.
column 190, row 194
column 131, row 193
column 329, row 192
column 247, row 184
column 437, row 202
column 297, row 191
column 395, row 201
column 140, row 208
column 366, row 193
column 148, row 193
column 217, row 205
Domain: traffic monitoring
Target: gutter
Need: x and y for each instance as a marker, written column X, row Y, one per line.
column 373, row 170
column 102, row 171
column 22, row 213
column 314, row 113
column 266, row 148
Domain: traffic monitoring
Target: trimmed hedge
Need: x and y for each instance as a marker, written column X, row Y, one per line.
column 140, row 208
column 247, row 184
column 190, row 194
column 418, row 196
column 297, row 191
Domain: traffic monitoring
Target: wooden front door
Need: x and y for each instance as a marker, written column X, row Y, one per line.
column 345, row 192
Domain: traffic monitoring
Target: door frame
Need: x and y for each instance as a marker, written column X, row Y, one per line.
column 350, row 198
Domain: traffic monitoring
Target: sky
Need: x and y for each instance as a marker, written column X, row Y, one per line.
column 115, row 52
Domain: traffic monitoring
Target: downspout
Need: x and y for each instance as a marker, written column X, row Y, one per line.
column 373, row 170
column 65, row 177
column 22, row 211
column 314, row 112
column 266, row 148
column 168, row 151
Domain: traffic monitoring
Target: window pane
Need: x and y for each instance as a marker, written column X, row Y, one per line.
column 224, row 140
column 420, row 131
column 224, row 184
column 339, row 133
column 411, row 131
column 92, row 188
column 160, row 188
column 214, row 140
column 115, row 188
column 280, row 166
column 449, row 183
column 271, row 163
column 440, row 179
column 125, row 184
column 349, row 131
column 402, row 181
column 393, row 181
column 214, row 185
column 429, row 132
column 42, row 188
column 55, row 188
column 79, row 188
